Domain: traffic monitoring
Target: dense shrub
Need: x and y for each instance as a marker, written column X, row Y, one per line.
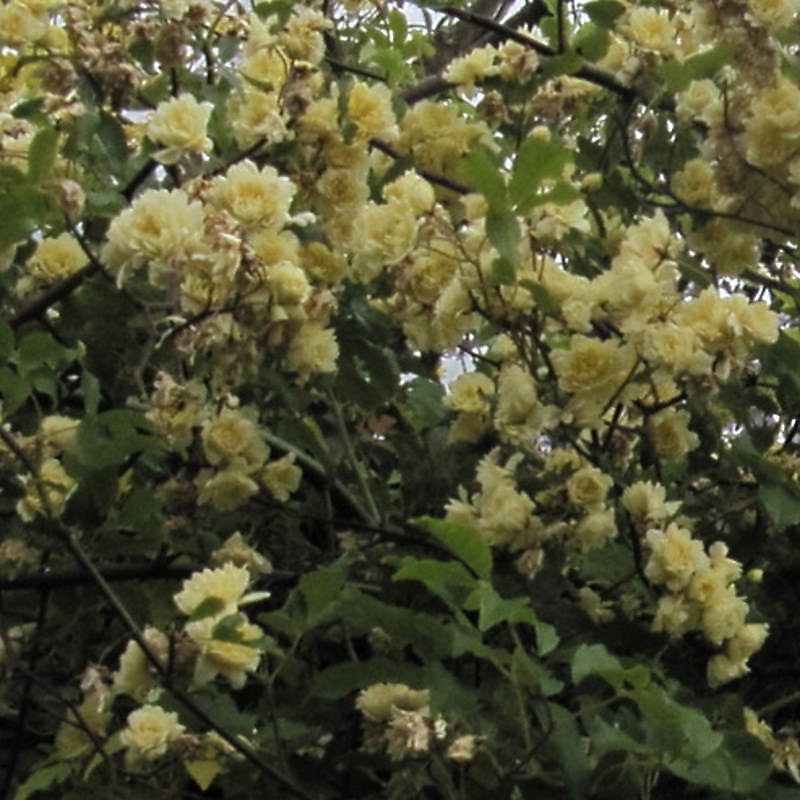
column 399, row 400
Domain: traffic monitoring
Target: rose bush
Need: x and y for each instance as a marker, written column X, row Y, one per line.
column 399, row 399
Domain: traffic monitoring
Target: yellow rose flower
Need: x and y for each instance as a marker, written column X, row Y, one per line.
column 370, row 110
column 228, row 583
column 282, row 477
column 232, row 437
column 376, row 702
column 149, row 733
column 256, row 198
column 179, row 124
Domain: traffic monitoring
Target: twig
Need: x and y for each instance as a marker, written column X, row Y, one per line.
column 530, row 14
column 428, row 87
column 680, row 206
column 237, row 157
column 561, row 32
column 25, row 699
column 775, row 705
column 375, row 515
column 339, row 66
column 52, row 295
column 143, row 572
column 653, row 408
column 319, row 470
column 587, row 71
column 61, row 290
column 431, row 177
column 76, row 550
column 138, row 179
column 71, row 542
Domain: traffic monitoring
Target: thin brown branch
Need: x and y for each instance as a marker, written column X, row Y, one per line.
column 587, row 71
column 139, row 178
column 64, row 288
column 431, row 177
column 653, row 408
column 237, row 157
column 677, row 205
column 428, row 87
column 530, row 14
column 340, row 66
column 561, row 26
column 26, row 697
column 52, row 295
column 71, row 542
column 135, row 572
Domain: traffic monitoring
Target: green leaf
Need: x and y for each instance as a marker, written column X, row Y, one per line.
column 342, row 679
column 503, row 272
column 279, row 8
column 113, row 744
column 398, row 25
column 321, row 589
column 207, row 608
column 22, row 208
column 108, row 439
column 90, row 387
column 534, row 674
column 388, row 60
column 537, row 160
column 42, row 154
column 545, row 301
column 612, row 563
column 368, row 373
column 447, row 579
column 38, row 348
column 221, row 707
column 9, row 175
column 429, row 637
column 43, row 778
column 592, row 41
column 228, row 629
column 502, row 228
column 479, row 168
column 781, row 503
column 493, row 609
column 594, row 659
column 565, row 738
column 563, row 64
column 6, row 341
column 228, row 46
column 464, row 542
column 91, row 501
column 562, row 194
column 113, row 138
column 140, row 513
column 740, row 764
column 467, row 639
column 202, row 771
column 104, row 203
column 677, row 731
column 679, row 74
column 607, row 738
column 422, row 407
column 546, row 635
column 29, row 109
column 604, row 12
